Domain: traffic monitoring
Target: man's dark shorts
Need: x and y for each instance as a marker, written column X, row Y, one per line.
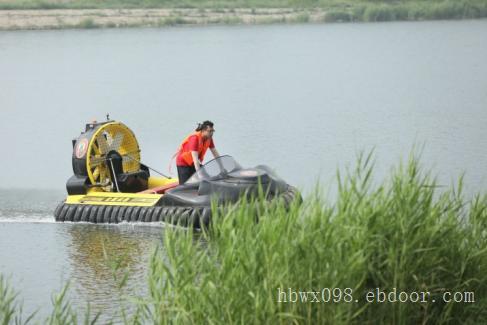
column 185, row 172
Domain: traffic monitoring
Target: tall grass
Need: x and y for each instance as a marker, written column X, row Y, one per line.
column 406, row 233
column 10, row 306
column 8, row 303
column 403, row 234
column 11, row 309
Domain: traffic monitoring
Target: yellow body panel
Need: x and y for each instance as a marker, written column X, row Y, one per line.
column 109, row 198
column 161, row 181
column 97, row 197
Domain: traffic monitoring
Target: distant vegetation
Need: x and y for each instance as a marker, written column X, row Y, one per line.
column 407, row 234
column 336, row 10
column 408, row 10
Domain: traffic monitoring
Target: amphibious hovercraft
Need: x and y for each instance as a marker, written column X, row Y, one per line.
column 111, row 185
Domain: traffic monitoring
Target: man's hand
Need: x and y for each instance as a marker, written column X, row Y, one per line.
column 224, row 172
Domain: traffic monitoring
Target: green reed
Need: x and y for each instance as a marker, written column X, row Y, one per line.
column 406, row 233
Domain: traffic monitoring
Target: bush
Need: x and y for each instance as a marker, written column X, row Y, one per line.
column 172, row 21
column 302, row 18
column 444, row 10
column 87, row 23
column 337, row 15
column 378, row 13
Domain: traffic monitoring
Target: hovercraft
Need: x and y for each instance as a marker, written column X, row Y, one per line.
column 111, row 185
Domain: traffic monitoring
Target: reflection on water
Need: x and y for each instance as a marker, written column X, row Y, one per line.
column 99, row 257
column 95, row 251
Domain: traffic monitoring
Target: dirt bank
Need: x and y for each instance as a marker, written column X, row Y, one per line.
column 111, row 18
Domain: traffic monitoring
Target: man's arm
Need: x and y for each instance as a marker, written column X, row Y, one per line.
column 216, row 155
column 196, row 160
column 215, row 152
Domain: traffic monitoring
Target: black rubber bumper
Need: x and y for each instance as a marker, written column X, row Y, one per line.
column 183, row 216
column 196, row 217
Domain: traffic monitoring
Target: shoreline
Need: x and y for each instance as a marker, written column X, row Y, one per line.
column 121, row 18
column 46, row 19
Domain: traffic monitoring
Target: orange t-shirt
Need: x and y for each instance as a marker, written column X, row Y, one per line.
column 191, row 145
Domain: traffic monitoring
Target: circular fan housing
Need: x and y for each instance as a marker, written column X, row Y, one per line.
column 92, row 146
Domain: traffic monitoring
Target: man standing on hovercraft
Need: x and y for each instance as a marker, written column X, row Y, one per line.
column 192, row 150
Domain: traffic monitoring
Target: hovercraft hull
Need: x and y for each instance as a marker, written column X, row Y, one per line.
column 115, row 208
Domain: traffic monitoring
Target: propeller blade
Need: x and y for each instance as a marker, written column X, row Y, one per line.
column 128, row 158
column 96, row 160
column 96, row 173
column 117, row 142
column 102, row 143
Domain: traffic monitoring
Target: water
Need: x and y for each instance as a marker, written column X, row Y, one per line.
column 304, row 99
column 40, row 256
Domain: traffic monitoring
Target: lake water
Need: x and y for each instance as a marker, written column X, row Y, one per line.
column 304, row 99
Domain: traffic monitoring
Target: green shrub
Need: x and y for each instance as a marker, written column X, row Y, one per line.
column 378, row 13
column 172, row 21
column 444, row 10
column 358, row 12
column 337, row 15
column 301, row 18
column 87, row 23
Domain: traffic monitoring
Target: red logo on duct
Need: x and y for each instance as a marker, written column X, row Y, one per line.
column 81, row 148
